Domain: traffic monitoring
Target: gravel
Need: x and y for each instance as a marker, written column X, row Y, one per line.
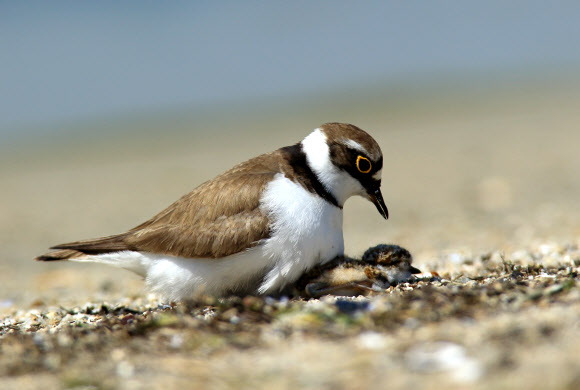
column 476, row 322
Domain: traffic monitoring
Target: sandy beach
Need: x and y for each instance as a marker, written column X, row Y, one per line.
column 482, row 189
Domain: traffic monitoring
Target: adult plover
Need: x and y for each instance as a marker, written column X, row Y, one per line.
column 253, row 229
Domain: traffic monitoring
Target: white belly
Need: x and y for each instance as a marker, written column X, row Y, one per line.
column 307, row 231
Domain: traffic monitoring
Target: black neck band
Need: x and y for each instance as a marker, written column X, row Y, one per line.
column 306, row 176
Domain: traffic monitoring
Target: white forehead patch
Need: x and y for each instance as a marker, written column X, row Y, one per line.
column 354, row 145
column 377, row 175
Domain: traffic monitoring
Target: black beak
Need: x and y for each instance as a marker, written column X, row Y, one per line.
column 377, row 198
column 414, row 270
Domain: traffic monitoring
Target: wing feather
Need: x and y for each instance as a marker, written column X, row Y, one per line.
column 219, row 218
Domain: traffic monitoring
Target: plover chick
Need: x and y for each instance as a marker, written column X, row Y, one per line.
column 381, row 266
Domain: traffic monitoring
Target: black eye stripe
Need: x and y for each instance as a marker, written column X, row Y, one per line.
column 346, row 157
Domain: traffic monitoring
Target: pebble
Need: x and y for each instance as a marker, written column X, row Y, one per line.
column 554, row 289
column 176, row 341
column 444, row 357
column 371, row 340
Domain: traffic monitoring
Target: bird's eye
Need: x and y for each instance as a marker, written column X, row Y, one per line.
column 363, row 164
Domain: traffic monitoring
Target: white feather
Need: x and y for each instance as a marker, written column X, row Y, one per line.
column 338, row 182
column 306, row 230
column 355, row 145
column 177, row 278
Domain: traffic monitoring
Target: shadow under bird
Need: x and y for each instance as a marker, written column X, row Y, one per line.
column 254, row 229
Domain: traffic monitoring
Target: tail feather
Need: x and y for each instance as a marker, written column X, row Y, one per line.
column 78, row 249
column 65, row 254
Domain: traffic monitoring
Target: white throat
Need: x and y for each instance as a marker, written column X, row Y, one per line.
column 336, row 181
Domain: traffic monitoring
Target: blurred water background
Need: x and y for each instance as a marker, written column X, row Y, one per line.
column 112, row 110
column 84, row 66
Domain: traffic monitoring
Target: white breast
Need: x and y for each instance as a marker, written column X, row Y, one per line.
column 306, row 230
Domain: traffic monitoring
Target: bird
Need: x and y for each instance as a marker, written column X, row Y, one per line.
column 254, row 229
column 392, row 260
column 381, row 267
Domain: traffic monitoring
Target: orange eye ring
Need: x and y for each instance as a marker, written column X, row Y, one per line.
column 358, row 159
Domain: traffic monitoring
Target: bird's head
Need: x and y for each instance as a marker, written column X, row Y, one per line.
column 347, row 161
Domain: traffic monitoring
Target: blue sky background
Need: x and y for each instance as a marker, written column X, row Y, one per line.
column 69, row 60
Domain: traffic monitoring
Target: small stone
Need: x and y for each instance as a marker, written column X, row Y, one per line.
column 176, row 341
column 456, row 258
column 442, row 357
column 371, row 340
column 553, row 290
column 125, row 369
column 462, row 279
column 351, row 307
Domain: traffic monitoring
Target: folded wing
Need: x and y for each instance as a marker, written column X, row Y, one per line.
column 219, row 218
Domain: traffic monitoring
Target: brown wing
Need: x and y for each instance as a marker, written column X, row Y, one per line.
column 219, row 218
